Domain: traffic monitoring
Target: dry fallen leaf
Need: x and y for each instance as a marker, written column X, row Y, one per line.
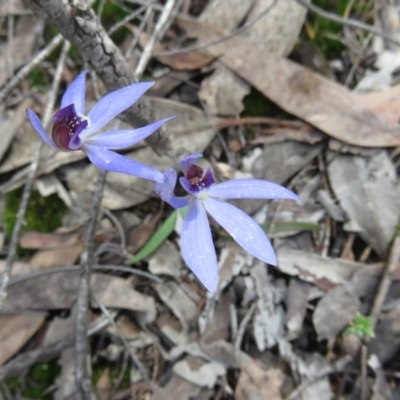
column 58, row 291
column 223, row 92
column 367, row 191
column 38, row 240
column 57, row 257
column 15, row 331
column 279, row 29
column 334, row 312
column 104, row 385
column 177, row 300
column 189, row 61
column 227, row 14
column 255, row 383
column 325, row 272
column 384, row 103
column 269, row 164
column 323, row 103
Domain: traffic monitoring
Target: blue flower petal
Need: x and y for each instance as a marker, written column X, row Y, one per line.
column 188, row 161
column 75, row 94
column 250, row 189
column 197, row 246
column 242, row 228
column 166, row 190
column 114, row 103
column 122, row 138
column 35, row 121
column 111, row 161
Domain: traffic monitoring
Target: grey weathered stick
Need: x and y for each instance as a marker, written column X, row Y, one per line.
column 84, row 387
column 77, row 22
column 29, row 183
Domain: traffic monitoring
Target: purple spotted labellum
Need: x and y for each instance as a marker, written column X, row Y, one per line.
column 204, row 196
column 72, row 130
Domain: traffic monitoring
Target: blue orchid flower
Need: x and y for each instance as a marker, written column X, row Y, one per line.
column 72, row 130
column 196, row 241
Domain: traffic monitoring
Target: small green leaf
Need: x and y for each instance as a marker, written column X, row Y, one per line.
column 361, row 326
column 157, row 239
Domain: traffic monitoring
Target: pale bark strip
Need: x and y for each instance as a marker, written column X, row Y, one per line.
column 77, row 22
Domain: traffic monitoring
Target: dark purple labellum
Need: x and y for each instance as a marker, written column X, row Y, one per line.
column 197, row 180
column 194, row 174
column 66, row 123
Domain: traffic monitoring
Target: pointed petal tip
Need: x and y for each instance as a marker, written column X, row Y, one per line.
column 211, row 287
